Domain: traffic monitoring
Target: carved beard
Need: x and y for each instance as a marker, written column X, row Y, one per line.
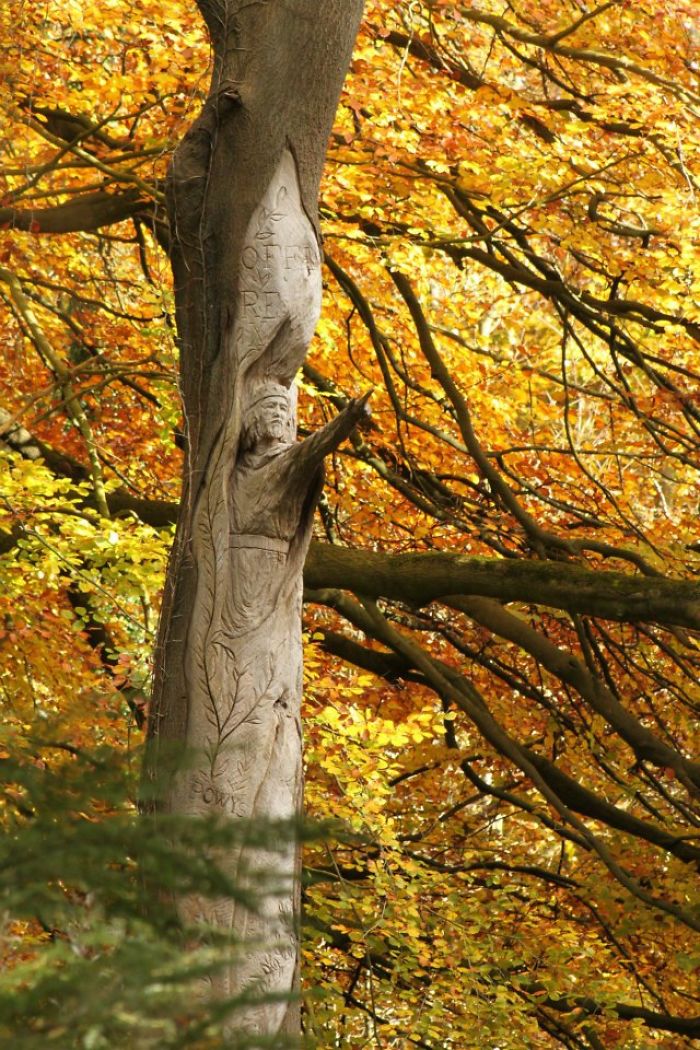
column 275, row 428
column 261, row 430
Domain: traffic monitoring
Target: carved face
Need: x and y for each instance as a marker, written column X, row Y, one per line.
column 270, row 420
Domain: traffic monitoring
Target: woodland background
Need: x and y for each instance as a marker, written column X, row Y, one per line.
column 511, row 222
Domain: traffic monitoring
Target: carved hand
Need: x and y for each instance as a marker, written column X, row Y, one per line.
column 360, row 407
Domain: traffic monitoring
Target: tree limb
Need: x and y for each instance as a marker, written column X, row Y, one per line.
column 431, row 575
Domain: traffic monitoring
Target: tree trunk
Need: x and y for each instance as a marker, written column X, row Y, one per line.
column 242, row 204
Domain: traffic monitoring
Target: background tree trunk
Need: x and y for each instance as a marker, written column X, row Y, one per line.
column 242, row 204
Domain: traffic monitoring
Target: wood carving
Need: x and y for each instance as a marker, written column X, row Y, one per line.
column 245, row 728
column 242, row 203
column 250, row 525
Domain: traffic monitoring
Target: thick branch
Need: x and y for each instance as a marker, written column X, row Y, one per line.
column 85, row 213
column 421, row 578
column 384, row 664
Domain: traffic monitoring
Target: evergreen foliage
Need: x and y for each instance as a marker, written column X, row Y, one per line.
column 94, row 954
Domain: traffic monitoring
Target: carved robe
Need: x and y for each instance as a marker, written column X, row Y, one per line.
column 250, row 725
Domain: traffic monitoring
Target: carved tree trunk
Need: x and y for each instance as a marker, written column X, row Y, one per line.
column 242, row 203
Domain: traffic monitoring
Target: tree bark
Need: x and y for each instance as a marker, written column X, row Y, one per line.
column 419, row 579
column 242, row 202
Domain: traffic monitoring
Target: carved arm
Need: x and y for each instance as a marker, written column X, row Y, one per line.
column 311, row 452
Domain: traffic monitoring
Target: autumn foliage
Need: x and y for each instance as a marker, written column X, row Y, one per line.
column 511, row 226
